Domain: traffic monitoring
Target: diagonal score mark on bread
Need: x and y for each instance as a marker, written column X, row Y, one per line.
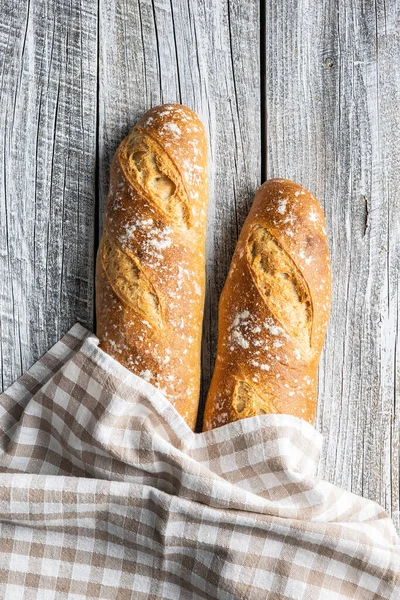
column 281, row 285
column 145, row 166
column 248, row 403
column 153, row 173
column 129, row 282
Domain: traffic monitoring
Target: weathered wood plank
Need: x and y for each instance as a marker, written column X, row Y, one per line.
column 204, row 55
column 48, row 65
column 334, row 125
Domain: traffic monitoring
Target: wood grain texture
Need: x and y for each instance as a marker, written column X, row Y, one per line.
column 193, row 53
column 47, row 157
column 74, row 79
column 333, row 125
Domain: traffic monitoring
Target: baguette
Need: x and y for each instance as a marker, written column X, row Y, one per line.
column 150, row 268
column 274, row 310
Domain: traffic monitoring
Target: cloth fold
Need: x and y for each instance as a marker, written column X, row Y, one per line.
column 105, row 493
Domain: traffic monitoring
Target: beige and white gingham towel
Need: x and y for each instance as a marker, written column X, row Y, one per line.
column 106, row 493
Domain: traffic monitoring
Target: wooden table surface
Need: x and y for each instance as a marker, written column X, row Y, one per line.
column 299, row 89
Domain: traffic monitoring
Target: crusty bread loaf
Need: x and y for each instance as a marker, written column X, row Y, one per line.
column 150, row 270
column 273, row 311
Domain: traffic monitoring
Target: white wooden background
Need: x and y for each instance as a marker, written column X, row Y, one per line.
column 301, row 89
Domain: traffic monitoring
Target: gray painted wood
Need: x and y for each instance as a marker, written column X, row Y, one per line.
column 48, row 84
column 195, row 53
column 333, row 125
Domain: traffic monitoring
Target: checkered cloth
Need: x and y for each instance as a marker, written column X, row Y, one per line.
column 106, row 493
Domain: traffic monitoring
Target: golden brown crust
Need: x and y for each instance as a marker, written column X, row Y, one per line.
column 273, row 311
column 150, row 265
